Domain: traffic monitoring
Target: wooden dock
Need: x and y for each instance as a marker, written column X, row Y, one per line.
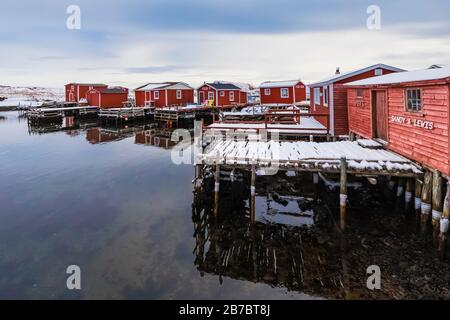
column 343, row 158
column 60, row 112
column 125, row 114
column 284, row 122
column 176, row 113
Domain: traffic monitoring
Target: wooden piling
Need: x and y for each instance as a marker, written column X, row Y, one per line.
column 400, row 187
column 418, row 196
column 216, row 190
column 252, row 195
column 343, row 193
column 444, row 224
column 425, row 207
column 437, row 204
column 409, row 193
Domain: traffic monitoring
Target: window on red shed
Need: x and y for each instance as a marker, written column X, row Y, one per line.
column 179, row 94
column 156, row 94
column 267, row 92
column 413, row 100
column 359, row 93
column 231, row 95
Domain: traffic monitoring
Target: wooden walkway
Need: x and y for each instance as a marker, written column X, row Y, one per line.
column 59, row 112
column 309, row 156
column 125, row 114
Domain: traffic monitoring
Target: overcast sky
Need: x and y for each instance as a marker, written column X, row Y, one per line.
column 133, row 42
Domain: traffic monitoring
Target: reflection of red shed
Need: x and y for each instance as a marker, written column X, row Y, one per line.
column 408, row 110
column 77, row 91
column 164, row 94
column 282, row 92
column 111, row 97
column 222, row 94
column 330, row 95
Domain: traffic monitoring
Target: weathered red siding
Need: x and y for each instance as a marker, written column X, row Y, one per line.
column 140, row 98
column 76, row 91
column 106, row 100
column 275, row 95
column 360, row 113
column 428, row 147
column 222, row 96
column 339, row 99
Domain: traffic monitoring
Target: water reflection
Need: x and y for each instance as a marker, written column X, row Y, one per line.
column 126, row 214
column 295, row 243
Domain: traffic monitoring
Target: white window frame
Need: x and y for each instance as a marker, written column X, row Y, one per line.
column 179, row 94
column 210, row 95
column 222, row 93
column 156, row 95
column 267, row 92
column 378, row 72
column 286, row 91
column 325, row 96
column 419, row 99
column 231, row 95
column 317, row 96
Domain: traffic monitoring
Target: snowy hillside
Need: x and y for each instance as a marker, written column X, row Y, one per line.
column 28, row 96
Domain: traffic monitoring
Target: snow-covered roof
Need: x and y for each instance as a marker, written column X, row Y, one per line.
column 409, row 76
column 164, row 85
column 279, row 84
column 345, row 75
column 223, row 85
column 247, row 87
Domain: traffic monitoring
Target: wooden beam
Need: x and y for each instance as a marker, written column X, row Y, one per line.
column 216, row 190
column 444, row 223
column 343, row 194
column 425, row 207
column 418, row 196
column 252, row 195
column 437, row 204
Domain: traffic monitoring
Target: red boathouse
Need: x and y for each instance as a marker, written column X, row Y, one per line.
column 77, row 91
column 221, row 94
column 110, row 97
column 330, row 95
column 409, row 111
column 282, row 92
column 164, row 94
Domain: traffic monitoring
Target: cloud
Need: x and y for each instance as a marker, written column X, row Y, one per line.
column 155, row 69
column 137, row 41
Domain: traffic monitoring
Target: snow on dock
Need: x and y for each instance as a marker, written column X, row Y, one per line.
column 307, row 126
column 309, row 156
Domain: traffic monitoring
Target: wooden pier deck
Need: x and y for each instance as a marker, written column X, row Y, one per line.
column 309, row 156
column 175, row 113
column 125, row 114
column 59, row 112
column 284, row 122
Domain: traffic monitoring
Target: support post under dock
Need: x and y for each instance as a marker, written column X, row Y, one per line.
column 444, row 223
column 425, row 207
column 252, row 195
column 216, row 190
column 343, row 194
column 437, row 204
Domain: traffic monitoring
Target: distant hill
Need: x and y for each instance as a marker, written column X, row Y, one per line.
column 34, row 96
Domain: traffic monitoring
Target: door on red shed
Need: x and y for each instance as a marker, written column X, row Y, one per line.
column 379, row 114
column 201, row 97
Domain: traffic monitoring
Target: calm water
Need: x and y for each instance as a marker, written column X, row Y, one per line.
column 112, row 202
